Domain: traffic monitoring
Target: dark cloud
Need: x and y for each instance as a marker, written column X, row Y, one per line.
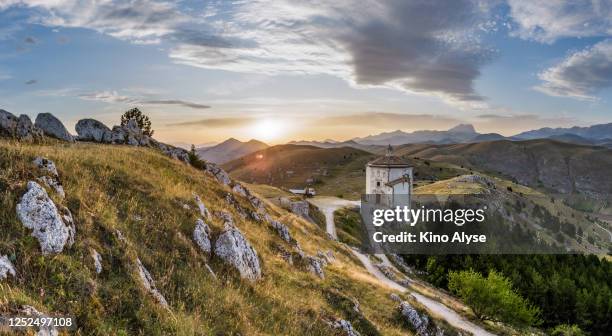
column 31, row 82
column 30, row 40
column 177, row 102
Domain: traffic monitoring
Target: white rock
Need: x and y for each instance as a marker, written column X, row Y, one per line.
column 97, row 258
column 6, row 268
column 201, row 235
column 93, row 130
column 234, row 249
column 315, row 266
column 346, row 327
column 239, row 189
column 53, row 127
column 54, row 184
column 226, row 217
column 33, row 312
column 282, row 230
column 37, row 211
column 46, row 166
column 412, row 316
column 25, row 130
column 203, row 210
column 220, row 174
column 149, row 283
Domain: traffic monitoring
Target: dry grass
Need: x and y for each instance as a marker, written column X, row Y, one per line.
column 142, row 193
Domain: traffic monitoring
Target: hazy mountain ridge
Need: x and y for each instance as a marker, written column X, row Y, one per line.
column 594, row 132
column 229, row 150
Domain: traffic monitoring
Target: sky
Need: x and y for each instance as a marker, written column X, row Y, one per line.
column 282, row 70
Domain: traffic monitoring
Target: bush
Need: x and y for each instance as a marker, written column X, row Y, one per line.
column 567, row 330
column 492, row 298
column 142, row 120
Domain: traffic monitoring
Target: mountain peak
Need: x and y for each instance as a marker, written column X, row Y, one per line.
column 463, row 128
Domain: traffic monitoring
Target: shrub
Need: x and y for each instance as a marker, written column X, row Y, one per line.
column 492, row 298
column 142, row 120
column 567, row 330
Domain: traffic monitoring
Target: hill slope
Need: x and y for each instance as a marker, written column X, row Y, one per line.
column 229, row 150
column 329, row 170
column 136, row 209
column 555, row 166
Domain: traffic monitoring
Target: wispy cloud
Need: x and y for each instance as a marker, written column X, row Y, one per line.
column 548, row 21
column 176, row 102
column 31, row 82
column 107, row 97
column 217, row 122
column 581, row 75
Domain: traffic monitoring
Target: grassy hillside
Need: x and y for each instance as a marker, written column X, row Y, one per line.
column 149, row 199
column 333, row 171
column 549, row 165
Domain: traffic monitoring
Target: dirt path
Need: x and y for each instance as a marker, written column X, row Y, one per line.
column 327, row 205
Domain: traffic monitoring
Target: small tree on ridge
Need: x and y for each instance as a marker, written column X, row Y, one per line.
column 141, row 119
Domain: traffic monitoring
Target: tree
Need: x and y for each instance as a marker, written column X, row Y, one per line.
column 492, row 298
column 142, row 120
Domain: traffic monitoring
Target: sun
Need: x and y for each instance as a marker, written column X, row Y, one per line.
column 268, row 129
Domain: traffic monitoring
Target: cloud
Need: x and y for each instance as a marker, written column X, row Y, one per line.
column 107, row 97
column 547, row 21
column 217, row 122
column 31, row 82
column 580, row 75
column 30, row 40
column 424, row 47
column 176, row 102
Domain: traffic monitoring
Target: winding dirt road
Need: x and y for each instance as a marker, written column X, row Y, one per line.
column 327, row 205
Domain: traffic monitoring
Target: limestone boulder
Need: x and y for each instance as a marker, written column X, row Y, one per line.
column 201, row 235
column 149, row 284
column 282, row 230
column 6, row 268
column 234, row 249
column 53, row 127
column 346, row 327
column 97, row 258
column 37, row 212
column 93, row 130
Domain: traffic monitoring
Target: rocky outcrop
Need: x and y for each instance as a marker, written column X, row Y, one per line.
column 6, row 268
column 53, row 127
column 300, row 208
column 97, row 258
column 53, row 229
column 19, row 128
column 316, row 265
column 201, row 235
column 239, row 189
column 346, row 327
column 225, row 217
column 92, row 130
column 204, row 213
column 233, row 248
column 419, row 322
column 33, row 312
column 51, row 177
column 149, row 284
column 282, row 230
column 220, row 174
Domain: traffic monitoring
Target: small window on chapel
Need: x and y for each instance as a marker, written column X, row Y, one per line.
column 378, row 183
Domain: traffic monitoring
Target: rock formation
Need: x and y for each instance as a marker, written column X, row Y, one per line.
column 19, row 128
column 92, row 130
column 53, row 127
column 6, row 268
column 149, row 283
column 201, row 235
column 97, row 258
column 37, row 212
column 233, row 248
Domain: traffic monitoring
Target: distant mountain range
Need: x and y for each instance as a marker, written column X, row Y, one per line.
column 229, row 150
column 596, row 135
